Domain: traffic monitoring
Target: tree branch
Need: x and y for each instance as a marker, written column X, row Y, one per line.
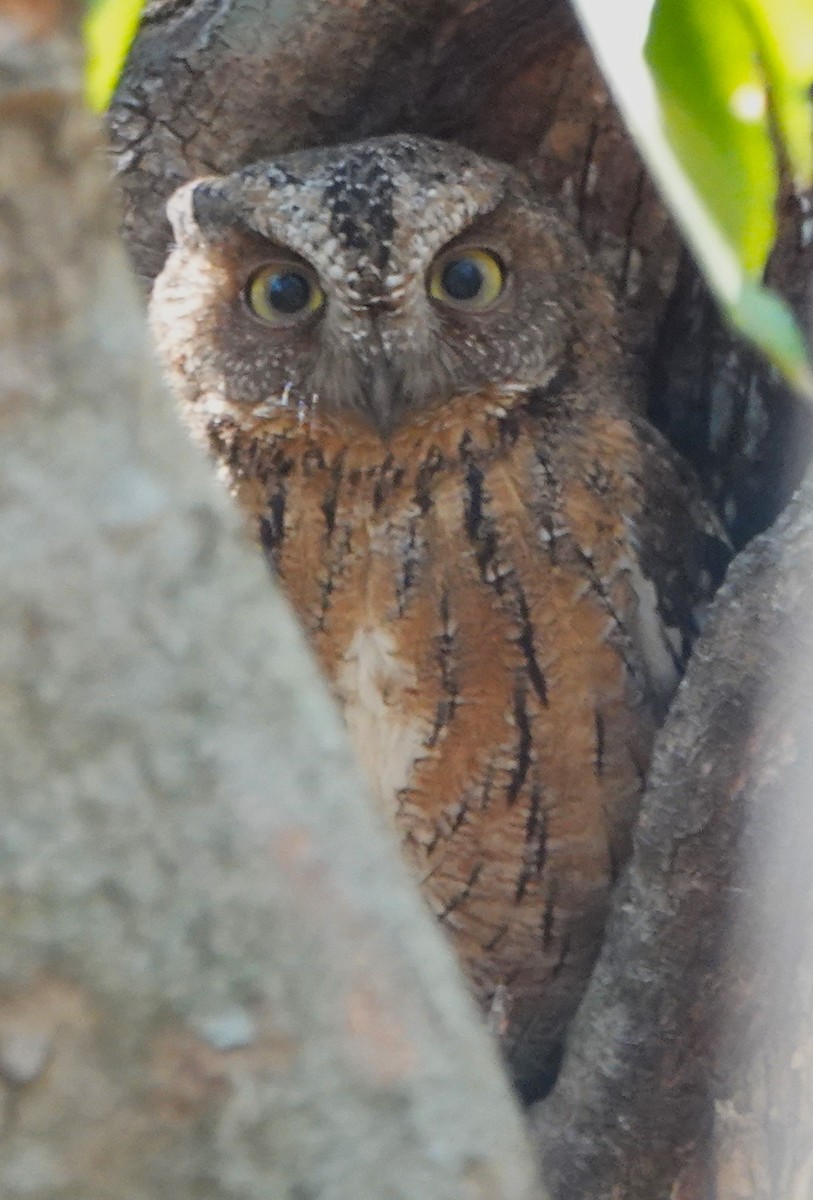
column 215, row 979
column 700, row 1002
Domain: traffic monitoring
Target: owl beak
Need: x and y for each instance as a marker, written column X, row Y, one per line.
column 381, row 395
column 382, row 391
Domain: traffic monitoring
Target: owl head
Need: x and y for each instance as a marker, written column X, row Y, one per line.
column 372, row 280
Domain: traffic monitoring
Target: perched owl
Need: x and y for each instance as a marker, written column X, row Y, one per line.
column 410, row 375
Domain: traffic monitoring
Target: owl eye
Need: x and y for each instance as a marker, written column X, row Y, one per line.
column 282, row 293
column 470, row 279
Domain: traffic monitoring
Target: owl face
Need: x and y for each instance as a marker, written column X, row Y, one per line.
column 372, row 280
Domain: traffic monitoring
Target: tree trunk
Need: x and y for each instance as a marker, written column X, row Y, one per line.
column 689, row 1066
column 215, row 979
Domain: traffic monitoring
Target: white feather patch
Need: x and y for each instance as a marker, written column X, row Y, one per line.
column 376, row 688
column 659, row 644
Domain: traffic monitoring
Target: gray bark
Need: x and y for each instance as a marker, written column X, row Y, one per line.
column 689, row 1069
column 215, row 979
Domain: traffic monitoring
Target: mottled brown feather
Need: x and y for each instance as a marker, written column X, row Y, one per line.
column 484, row 580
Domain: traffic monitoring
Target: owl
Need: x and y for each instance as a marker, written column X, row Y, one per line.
column 410, row 375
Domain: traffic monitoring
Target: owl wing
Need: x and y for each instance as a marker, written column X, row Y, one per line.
column 679, row 555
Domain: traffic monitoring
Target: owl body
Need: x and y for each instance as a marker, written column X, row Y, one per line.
column 494, row 557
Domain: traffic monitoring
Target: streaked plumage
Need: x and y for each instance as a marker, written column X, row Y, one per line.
column 497, row 560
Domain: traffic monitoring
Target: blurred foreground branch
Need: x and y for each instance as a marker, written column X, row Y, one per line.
column 215, row 980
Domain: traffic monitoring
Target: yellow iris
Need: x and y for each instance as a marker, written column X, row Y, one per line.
column 281, row 293
column 467, row 279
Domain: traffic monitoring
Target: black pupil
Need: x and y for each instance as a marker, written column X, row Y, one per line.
column 288, row 292
column 462, row 279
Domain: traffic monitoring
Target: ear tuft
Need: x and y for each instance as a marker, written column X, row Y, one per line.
column 193, row 206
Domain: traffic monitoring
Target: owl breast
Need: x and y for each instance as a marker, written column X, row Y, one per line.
column 478, row 602
column 377, row 684
column 411, row 374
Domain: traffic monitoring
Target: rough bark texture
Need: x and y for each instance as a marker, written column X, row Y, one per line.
column 215, row 980
column 690, row 1058
column 688, row 1072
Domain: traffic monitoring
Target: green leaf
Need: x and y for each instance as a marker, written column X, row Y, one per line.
column 783, row 36
column 766, row 320
column 715, row 115
column 109, row 29
column 699, row 83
